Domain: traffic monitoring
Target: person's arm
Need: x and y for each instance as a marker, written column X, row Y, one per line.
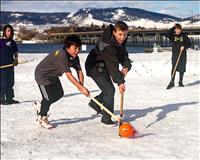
column 124, row 71
column 15, row 62
column 126, row 62
column 79, row 86
column 79, row 72
column 15, row 55
column 112, row 64
column 170, row 33
column 61, row 63
column 187, row 42
column 80, row 76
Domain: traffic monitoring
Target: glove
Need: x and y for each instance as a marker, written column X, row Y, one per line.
column 15, row 62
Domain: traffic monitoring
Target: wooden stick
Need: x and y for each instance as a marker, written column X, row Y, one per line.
column 10, row 65
column 173, row 73
column 105, row 109
column 121, row 108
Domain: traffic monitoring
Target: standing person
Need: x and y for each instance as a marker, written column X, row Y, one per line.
column 102, row 64
column 52, row 67
column 180, row 43
column 9, row 55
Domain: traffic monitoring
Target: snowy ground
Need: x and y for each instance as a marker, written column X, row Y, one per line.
column 167, row 120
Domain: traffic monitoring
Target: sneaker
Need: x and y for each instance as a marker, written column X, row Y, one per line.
column 180, row 84
column 43, row 121
column 12, row 101
column 95, row 107
column 109, row 122
column 170, row 85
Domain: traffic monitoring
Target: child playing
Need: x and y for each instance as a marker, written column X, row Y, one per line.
column 180, row 44
column 102, row 64
column 9, row 55
column 52, row 67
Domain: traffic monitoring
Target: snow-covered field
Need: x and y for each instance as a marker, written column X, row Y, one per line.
column 167, row 121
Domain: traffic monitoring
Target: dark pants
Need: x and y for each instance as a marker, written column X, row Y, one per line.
column 50, row 94
column 181, row 74
column 7, row 83
column 104, row 82
column 181, row 66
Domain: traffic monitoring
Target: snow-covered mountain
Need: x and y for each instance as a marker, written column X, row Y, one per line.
column 84, row 17
column 29, row 18
column 111, row 15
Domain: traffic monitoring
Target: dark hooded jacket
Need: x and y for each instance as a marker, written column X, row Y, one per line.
column 178, row 41
column 106, row 57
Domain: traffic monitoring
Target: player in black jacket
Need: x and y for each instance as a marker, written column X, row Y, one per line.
column 102, row 64
column 180, row 43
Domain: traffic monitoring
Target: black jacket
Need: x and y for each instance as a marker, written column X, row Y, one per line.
column 111, row 54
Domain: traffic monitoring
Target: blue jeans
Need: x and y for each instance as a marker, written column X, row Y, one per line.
column 104, row 82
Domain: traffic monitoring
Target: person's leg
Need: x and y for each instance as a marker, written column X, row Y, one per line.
column 10, row 84
column 105, row 84
column 93, row 105
column 50, row 94
column 183, row 61
column 181, row 74
column 3, row 77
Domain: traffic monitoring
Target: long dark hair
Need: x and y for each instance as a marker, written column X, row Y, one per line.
column 4, row 30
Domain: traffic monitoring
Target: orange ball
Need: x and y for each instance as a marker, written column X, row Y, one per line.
column 126, row 130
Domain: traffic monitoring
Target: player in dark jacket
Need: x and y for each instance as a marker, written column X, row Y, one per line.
column 52, row 67
column 102, row 64
column 180, row 44
column 9, row 55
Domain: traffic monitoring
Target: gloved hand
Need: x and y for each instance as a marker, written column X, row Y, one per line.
column 15, row 62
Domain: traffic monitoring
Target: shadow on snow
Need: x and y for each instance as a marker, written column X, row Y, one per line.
column 133, row 114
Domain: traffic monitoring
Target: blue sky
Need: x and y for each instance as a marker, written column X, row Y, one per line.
column 176, row 8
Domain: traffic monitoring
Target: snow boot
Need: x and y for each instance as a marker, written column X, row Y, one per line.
column 180, row 84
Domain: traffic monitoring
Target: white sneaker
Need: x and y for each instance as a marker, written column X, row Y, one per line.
column 44, row 122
